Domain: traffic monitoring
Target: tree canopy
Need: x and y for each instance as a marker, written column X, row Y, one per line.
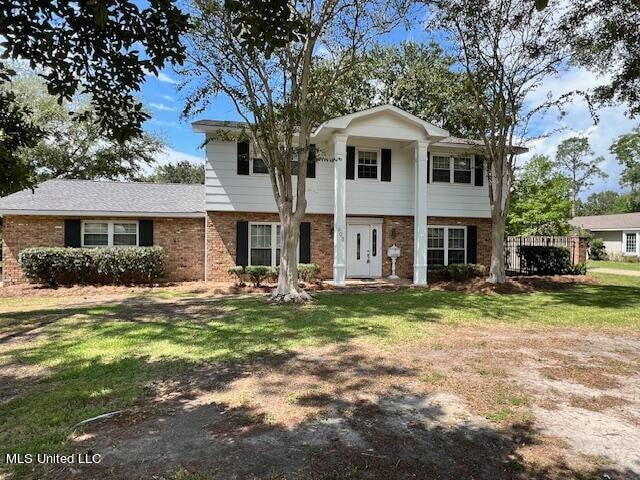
column 74, row 148
column 419, row 78
column 626, row 149
column 576, row 159
column 102, row 48
column 540, row 203
column 182, row 171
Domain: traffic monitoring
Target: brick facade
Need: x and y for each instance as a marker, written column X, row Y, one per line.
column 221, row 241
column 181, row 238
column 184, row 242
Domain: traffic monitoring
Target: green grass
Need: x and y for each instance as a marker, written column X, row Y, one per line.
column 617, row 265
column 88, row 360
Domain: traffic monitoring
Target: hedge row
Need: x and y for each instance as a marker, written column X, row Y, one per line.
column 256, row 274
column 457, row 271
column 59, row 266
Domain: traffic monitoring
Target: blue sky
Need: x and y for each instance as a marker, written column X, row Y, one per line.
column 165, row 102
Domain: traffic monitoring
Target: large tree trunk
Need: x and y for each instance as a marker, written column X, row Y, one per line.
column 288, row 289
column 497, row 269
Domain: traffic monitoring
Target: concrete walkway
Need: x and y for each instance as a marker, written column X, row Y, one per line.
column 616, row 271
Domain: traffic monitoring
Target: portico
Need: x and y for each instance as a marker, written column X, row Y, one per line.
column 357, row 241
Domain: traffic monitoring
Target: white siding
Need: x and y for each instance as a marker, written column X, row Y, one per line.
column 612, row 240
column 228, row 191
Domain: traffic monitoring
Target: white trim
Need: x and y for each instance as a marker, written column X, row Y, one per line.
column 452, row 158
column 90, row 213
column 110, row 232
column 625, row 235
column 274, row 244
column 364, row 220
column 378, row 152
column 446, row 241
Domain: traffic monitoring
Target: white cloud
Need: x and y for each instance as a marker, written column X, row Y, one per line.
column 162, row 77
column 167, row 97
column 162, row 106
column 578, row 122
column 169, row 155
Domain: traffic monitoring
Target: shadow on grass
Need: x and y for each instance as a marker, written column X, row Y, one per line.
column 99, row 358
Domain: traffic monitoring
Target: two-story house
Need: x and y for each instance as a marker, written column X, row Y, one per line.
column 379, row 177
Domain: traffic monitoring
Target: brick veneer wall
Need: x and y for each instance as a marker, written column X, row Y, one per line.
column 221, row 240
column 182, row 239
column 22, row 232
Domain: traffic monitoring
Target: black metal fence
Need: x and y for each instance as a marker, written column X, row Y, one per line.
column 513, row 260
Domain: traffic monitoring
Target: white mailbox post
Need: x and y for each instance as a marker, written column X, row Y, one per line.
column 393, row 252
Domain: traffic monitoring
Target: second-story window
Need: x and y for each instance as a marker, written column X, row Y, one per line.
column 367, row 164
column 259, row 166
column 452, row 170
column 441, row 169
column 461, row 170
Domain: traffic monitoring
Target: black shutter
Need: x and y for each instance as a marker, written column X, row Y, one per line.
column 351, row 163
column 243, row 157
column 305, row 242
column 472, row 244
column 479, row 172
column 385, row 167
column 146, row 233
column 311, row 163
column 242, row 243
column 428, row 167
column 72, row 233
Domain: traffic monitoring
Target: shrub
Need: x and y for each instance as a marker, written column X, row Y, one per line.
column 238, row 271
column 257, row 273
column 308, row 272
column 578, row 269
column 56, row 266
column 544, row 260
column 596, row 249
column 620, row 257
column 465, row 271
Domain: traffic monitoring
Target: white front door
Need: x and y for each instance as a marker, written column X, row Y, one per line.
column 359, row 251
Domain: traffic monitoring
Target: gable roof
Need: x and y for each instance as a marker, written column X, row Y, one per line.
column 107, row 198
column 344, row 121
column 620, row 221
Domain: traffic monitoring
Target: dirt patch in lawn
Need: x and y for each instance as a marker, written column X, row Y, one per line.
column 464, row 403
column 521, row 284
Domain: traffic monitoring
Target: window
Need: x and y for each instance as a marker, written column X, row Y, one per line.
column 631, row 243
column 435, row 246
column 461, row 170
column 455, row 252
column 259, row 166
column 96, row 234
column 109, row 234
column 441, row 169
column 264, row 244
column 374, row 242
column 446, row 245
column 367, row 164
column 452, row 169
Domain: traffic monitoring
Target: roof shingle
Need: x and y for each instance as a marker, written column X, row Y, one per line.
column 621, row 221
column 64, row 197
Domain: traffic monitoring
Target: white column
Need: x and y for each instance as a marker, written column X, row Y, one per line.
column 420, row 215
column 340, row 210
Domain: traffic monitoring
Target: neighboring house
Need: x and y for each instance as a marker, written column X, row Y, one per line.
column 619, row 232
column 378, row 178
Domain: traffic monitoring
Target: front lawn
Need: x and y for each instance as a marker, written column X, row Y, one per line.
column 617, row 265
column 63, row 364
